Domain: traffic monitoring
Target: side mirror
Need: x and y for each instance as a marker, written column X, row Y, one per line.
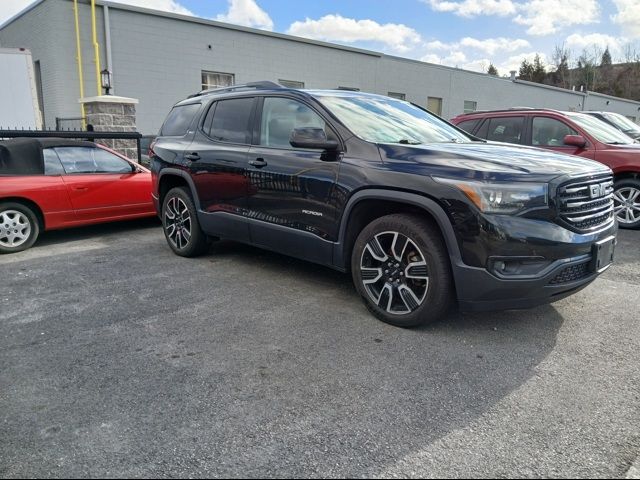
column 311, row 138
column 575, row 141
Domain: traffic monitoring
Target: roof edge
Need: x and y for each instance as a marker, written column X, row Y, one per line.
column 22, row 12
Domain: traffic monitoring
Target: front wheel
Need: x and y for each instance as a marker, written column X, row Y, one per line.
column 180, row 224
column 401, row 268
column 19, row 227
column 626, row 199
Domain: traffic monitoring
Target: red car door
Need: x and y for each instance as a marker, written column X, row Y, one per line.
column 549, row 133
column 102, row 185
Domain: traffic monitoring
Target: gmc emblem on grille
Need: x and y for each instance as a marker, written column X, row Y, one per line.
column 598, row 190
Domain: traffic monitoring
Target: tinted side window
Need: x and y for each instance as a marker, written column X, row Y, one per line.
column 468, row 125
column 179, row 120
column 506, row 129
column 281, row 115
column 550, row 132
column 52, row 165
column 484, row 128
column 231, row 121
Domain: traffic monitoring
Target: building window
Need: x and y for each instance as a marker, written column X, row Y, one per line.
column 217, row 80
column 470, row 106
column 434, row 105
column 291, row 83
column 352, row 89
column 399, row 96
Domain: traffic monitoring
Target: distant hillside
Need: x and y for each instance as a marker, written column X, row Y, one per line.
column 621, row 80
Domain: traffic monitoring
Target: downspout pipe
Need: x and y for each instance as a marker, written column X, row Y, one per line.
column 107, row 40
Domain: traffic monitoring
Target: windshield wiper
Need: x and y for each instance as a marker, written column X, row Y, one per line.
column 404, row 141
column 618, row 143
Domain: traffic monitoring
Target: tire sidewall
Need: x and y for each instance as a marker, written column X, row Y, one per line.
column 197, row 243
column 33, row 220
column 628, row 182
column 439, row 291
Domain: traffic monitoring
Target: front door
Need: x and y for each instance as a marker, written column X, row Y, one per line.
column 102, row 185
column 549, row 133
column 291, row 188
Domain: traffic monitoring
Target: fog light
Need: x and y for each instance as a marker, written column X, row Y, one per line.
column 517, row 267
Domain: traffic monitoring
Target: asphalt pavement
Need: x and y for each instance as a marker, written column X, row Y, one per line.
column 120, row 359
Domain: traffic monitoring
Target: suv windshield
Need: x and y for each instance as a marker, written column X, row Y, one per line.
column 622, row 122
column 386, row 120
column 601, row 131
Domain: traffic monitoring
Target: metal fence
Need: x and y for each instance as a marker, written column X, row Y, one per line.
column 74, row 135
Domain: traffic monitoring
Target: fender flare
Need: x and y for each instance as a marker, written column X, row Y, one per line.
column 180, row 173
column 433, row 208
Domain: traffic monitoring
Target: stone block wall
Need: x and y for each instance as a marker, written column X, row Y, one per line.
column 113, row 114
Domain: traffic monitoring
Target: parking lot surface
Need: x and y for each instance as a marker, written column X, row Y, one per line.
column 120, row 359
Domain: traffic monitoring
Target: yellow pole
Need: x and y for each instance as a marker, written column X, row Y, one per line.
column 96, row 46
column 79, row 61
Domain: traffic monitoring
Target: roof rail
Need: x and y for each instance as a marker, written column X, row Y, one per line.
column 257, row 85
column 510, row 109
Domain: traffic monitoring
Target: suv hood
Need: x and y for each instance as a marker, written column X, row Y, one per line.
column 490, row 161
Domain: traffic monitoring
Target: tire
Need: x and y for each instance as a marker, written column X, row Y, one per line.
column 180, row 224
column 19, row 227
column 393, row 290
column 626, row 197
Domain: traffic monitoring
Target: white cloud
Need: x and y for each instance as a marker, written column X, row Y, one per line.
column 491, row 46
column 545, row 17
column 164, row 5
column 336, row 28
column 578, row 42
column 514, row 61
column 628, row 17
column 247, row 13
column 472, row 8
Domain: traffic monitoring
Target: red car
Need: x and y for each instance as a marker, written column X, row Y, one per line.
column 571, row 133
column 48, row 184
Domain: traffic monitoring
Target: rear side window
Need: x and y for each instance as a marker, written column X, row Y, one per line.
column 468, row 125
column 231, row 121
column 506, row 129
column 179, row 120
column 52, row 165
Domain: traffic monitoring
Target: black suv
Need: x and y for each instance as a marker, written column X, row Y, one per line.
column 419, row 212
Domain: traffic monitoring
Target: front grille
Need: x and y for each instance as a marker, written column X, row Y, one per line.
column 586, row 204
column 571, row 274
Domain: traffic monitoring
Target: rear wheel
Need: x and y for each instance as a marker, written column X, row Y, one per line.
column 180, row 223
column 19, row 227
column 400, row 267
column 626, row 198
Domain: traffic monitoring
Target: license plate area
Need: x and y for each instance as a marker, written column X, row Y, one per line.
column 602, row 254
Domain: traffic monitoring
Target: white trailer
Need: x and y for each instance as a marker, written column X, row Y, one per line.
column 18, row 95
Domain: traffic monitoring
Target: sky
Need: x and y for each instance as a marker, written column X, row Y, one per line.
column 468, row 34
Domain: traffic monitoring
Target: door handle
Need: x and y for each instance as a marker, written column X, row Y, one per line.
column 258, row 162
column 193, row 156
column 80, row 188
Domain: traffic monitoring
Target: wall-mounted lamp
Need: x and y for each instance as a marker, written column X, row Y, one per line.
column 608, row 102
column 105, row 77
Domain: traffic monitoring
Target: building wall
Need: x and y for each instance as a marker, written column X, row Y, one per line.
column 158, row 59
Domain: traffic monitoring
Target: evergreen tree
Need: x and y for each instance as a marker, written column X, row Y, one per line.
column 492, row 70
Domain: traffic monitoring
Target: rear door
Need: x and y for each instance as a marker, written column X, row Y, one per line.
column 506, row 129
column 549, row 133
column 102, row 185
column 217, row 161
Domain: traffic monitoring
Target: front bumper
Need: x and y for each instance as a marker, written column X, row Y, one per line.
column 570, row 268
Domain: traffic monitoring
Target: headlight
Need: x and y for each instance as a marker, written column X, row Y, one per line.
column 502, row 198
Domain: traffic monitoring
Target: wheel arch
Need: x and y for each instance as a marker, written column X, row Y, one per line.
column 172, row 177
column 367, row 205
column 32, row 205
column 626, row 175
